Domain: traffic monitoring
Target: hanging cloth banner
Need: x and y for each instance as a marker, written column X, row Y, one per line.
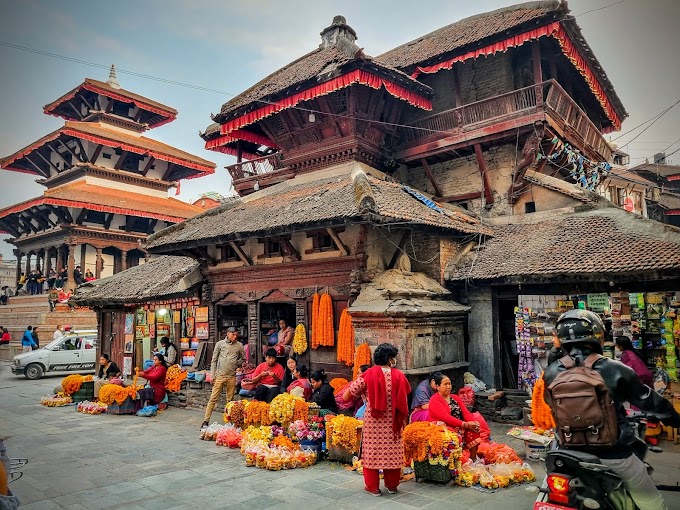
column 356, row 76
column 570, row 50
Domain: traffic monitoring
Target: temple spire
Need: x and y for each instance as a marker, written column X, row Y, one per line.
column 113, row 81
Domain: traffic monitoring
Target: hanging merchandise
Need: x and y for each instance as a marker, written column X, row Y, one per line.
column 300, row 339
column 324, row 332
column 526, row 374
column 362, row 357
column 346, row 339
column 316, row 336
column 587, row 174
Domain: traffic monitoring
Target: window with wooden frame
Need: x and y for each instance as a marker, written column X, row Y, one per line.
column 272, row 246
column 228, row 254
column 322, row 241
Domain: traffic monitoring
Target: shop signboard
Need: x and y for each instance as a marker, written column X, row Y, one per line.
column 201, row 314
column 598, row 302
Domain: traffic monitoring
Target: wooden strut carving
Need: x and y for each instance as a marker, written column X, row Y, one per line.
column 529, row 152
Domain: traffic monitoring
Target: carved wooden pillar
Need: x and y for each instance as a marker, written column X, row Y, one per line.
column 536, row 57
column 123, row 260
column 83, row 257
column 60, row 258
column 48, row 262
column 98, row 264
column 28, row 264
column 71, row 282
column 19, row 257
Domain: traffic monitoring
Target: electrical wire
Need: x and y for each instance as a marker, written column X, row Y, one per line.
column 655, row 118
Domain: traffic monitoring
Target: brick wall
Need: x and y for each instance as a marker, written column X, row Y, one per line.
column 486, row 77
column 459, row 176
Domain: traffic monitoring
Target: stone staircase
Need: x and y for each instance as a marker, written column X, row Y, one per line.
column 22, row 311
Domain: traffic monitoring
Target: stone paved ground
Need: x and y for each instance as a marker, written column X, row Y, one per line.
column 125, row 462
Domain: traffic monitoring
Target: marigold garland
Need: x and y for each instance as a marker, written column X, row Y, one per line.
column 337, row 384
column 346, row 339
column 174, row 377
column 362, row 357
column 541, row 414
column 283, row 442
column 72, row 383
column 300, row 339
column 301, row 410
column 342, row 431
column 257, row 412
column 434, row 443
column 316, row 335
column 234, row 412
column 113, row 392
column 282, row 408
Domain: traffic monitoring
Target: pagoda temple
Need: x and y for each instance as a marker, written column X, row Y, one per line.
column 107, row 184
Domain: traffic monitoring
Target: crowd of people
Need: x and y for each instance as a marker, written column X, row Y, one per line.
column 38, row 283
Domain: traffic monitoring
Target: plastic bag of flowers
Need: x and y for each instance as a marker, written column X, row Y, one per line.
column 147, row 411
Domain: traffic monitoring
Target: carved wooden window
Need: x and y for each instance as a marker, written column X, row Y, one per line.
column 272, row 247
column 321, row 241
column 228, row 254
column 338, row 101
column 121, row 109
column 130, row 163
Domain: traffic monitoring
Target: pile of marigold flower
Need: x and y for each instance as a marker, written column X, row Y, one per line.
column 343, row 431
column 72, row 383
column 174, row 377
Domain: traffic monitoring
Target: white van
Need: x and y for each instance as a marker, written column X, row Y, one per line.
column 73, row 353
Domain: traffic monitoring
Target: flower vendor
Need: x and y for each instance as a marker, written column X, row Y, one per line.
column 301, row 387
column 156, row 377
column 268, row 376
column 323, row 392
column 450, row 409
column 107, row 370
column 288, row 377
column 386, row 390
column 421, row 398
column 228, row 356
column 282, row 341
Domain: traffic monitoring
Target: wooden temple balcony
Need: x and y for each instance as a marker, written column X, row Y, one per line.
column 251, row 175
column 490, row 118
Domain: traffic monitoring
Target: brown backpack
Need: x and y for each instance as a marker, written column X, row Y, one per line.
column 584, row 411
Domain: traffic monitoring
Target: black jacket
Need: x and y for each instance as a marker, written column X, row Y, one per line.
column 624, row 386
column 324, row 397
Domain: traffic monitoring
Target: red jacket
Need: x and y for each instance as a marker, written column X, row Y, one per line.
column 440, row 411
column 156, row 377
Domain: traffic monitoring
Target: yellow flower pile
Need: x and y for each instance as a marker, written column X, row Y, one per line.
column 174, row 377
column 72, row 383
column 435, row 443
column 257, row 435
column 342, row 431
column 110, row 393
column 282, row 408
column 300, row 339
column 257, row 412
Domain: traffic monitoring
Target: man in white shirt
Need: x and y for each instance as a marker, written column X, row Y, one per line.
column 58, row 333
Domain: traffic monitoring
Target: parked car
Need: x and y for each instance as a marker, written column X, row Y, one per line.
column 75, row 352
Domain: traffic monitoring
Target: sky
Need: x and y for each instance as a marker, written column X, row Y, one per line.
column 228, row 46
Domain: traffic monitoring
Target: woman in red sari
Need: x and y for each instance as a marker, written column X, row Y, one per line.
column 449, row 408
column 156, row 377
column 385, row 390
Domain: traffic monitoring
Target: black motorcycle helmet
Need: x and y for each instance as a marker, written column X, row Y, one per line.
column 580, row 327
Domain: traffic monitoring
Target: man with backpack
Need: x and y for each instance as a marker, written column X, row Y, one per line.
column 586, row 393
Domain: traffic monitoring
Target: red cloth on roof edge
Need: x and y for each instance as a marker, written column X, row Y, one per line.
column 555, row 30
column 231, row 151
column 114, row 144
column 238, row 134
column 356, row 76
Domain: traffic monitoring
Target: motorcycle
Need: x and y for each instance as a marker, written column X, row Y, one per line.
column 580, row 481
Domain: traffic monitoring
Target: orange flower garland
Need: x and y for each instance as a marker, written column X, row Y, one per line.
column 316, row 335
column 257, row 412
column 362, row 357
column 174, row 377
column 301, row 410
column 300, row 339
column 283, row 442
column 541, row 414
column 112, row 392
column 342, row 431
column 415, row 437
column 337, row 384
column 72, row 383
column 346, row 339
column 324, row 333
